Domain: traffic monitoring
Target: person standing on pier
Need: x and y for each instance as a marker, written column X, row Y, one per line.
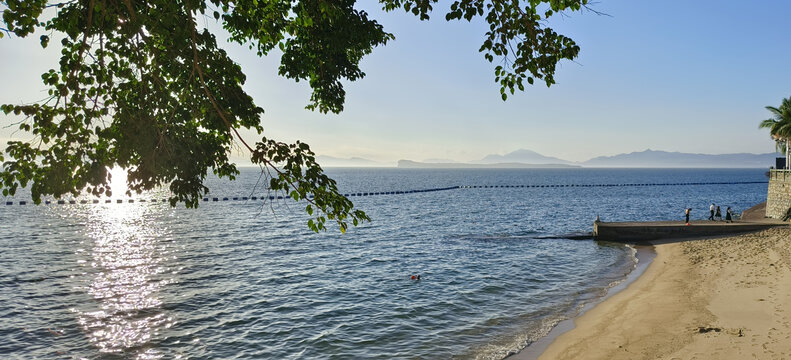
column 686, row 212
column 711, row 210
column 728, row 217
column 718, row 214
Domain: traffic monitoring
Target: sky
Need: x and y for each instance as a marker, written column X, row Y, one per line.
column 688, row 76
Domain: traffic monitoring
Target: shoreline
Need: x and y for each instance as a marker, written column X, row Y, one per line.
column 722, row 297
column 645, row 255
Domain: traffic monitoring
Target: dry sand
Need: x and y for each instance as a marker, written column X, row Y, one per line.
column 725, row 298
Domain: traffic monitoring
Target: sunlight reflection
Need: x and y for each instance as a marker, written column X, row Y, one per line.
column 118, row 181
column 128, row 266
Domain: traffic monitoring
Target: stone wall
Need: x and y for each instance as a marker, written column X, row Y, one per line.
column 778, row 197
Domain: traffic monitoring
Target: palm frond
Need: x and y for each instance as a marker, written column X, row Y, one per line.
column 780, row 124
column 768, row 123
column 774, row 110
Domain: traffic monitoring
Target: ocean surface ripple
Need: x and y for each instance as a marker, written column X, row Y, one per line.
column 247, row 279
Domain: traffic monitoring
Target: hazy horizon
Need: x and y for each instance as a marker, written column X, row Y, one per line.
column 359, row 161
column 672, row 76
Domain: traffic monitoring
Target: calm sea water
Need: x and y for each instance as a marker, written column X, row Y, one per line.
column 247, row 279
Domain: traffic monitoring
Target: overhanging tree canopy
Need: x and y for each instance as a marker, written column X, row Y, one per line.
column 142, row 86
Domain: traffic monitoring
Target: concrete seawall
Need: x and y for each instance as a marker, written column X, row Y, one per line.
column 669, row 230
column 778, row 195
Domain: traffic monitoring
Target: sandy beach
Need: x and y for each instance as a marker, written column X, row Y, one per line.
column 723, row 298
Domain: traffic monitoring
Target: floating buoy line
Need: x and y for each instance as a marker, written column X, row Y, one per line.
column 379, row 193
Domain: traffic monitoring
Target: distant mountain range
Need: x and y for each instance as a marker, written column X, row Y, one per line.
column 512, row 165
column 524, row 158
column 653, row 158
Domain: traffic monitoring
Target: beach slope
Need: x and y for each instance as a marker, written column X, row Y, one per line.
column 724, row 298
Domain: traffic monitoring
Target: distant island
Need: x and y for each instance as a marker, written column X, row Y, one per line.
column 528, row 159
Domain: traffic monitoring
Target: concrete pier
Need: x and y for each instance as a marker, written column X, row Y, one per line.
column 670, row 230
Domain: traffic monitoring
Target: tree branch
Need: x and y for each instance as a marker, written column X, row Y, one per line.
column 205, row 87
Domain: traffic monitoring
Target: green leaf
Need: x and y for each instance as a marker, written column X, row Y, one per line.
column 173, row 100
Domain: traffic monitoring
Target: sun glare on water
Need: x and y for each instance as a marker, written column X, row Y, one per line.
column 126, row 270
column 118, row 182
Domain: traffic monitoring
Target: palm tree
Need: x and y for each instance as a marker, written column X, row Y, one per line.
column 779, row 126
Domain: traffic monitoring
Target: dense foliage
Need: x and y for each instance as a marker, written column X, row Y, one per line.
column 142, row 86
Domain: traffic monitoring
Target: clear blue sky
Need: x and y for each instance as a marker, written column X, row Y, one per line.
column 690, row 76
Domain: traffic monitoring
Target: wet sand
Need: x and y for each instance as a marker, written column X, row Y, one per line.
column 724, row 298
